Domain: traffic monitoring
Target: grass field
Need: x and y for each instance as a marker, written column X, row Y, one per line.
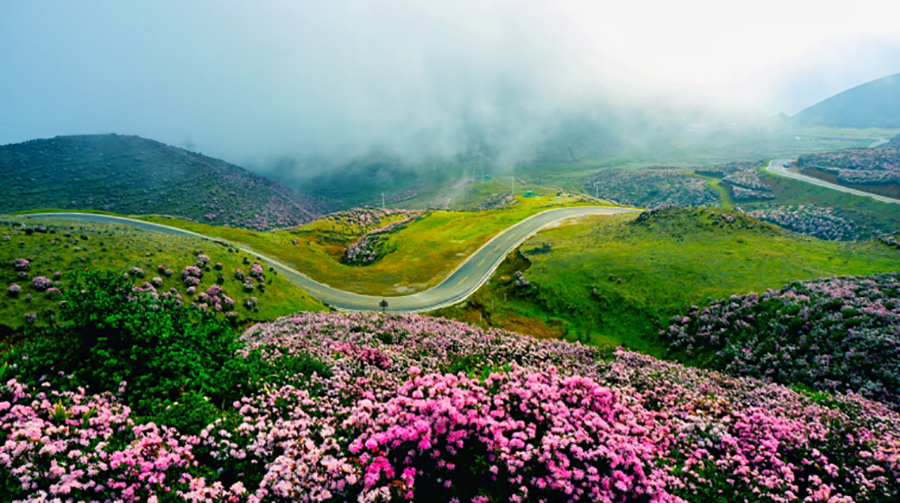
column 94, row 247
column 426, row 251
column 618, row 280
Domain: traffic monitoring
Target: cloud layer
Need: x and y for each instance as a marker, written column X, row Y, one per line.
column 251, row 81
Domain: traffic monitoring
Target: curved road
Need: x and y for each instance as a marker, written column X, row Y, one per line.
column 459, row 285
column 777, row 167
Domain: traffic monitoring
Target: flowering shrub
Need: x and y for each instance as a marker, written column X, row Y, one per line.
column 369, row 407
column 869, row 165
column 61, row 444
column 41, row 283
column 744, row 194
column 156, row 281
column 14, row 290
column 191, row 275
column 836, row 335
column 817, row 221
column 257, row 272
column 359, row 221
column 373, row 245
column 651, row 187
column 21, row 264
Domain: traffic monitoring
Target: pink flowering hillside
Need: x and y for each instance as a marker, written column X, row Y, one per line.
column 411, row 408
column 858, row 166
column 834, row 335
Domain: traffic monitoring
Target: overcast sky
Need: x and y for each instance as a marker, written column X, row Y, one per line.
column 250, row 80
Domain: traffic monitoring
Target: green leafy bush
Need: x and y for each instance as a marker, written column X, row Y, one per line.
column 179, row 365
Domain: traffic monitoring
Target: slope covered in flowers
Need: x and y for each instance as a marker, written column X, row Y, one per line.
column 414, row 408
column 651, row 187
column 836, row 335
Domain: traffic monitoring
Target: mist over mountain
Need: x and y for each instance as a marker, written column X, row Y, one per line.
column 873, row 104
column 324, row 85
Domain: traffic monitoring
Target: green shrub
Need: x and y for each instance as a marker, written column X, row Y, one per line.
column 180, row 365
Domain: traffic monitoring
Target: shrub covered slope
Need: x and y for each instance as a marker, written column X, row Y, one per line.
column 133, row 175
column 364, row 407
column 837, row 335
column 40, row 258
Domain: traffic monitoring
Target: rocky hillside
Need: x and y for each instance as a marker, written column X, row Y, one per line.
column 133, row 175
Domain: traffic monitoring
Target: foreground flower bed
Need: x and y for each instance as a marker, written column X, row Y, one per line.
column 836, row 335
column 415, row 408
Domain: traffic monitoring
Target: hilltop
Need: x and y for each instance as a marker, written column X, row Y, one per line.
column 134, row 175
column 873, row 104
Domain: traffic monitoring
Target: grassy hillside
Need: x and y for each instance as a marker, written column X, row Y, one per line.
column 133, row 175
column 618, row 280
column 873, row 104
column 422, row 253
column 59, row 249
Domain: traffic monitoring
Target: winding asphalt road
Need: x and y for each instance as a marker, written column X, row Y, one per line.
column 458, row 286
column 777, row 167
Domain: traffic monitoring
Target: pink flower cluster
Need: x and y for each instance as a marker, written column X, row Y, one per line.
column 84, row 447
column 836, row 335
column 41, row 283
column 415, row 407
column 191, row 275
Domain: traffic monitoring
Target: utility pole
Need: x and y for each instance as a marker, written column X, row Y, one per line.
column 382, row 202
column 514, row 185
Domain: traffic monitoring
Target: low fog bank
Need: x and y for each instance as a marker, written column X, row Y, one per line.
column 297, row 88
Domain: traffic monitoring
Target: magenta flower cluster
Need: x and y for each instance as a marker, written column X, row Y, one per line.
column 417, row 408
column 21, row 264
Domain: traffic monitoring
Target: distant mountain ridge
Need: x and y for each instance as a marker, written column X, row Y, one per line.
column 873, row 104
column 134, row 175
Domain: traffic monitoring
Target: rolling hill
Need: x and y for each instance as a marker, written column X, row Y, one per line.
column 873, row 104
column 134, row 175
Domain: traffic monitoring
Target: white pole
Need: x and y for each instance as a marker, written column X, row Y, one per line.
column 382, row 202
